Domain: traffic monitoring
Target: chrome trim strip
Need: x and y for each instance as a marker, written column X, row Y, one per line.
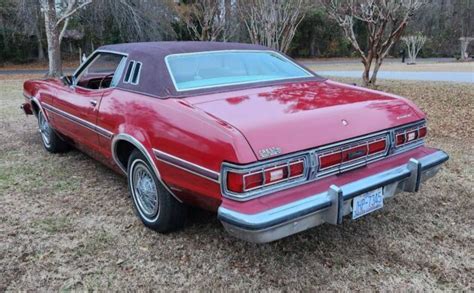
column 187, row 166
column 142, row 149
column 40, row 106
column 91, row 126
column 311, row 74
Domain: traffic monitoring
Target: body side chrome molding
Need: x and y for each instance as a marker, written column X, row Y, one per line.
column 142, row 149
column 89, row 125
column 187, row 166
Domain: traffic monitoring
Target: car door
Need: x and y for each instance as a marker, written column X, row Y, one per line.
column 77, row 105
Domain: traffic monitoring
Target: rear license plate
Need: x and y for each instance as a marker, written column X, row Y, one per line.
column 367, row 203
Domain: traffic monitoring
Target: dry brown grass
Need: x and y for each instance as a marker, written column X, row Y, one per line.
column 66, row 222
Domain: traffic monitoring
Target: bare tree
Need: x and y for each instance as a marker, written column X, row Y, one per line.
column 57, row 14
column 443, row 22
column 128, row 21
column 6, row 8
column 272, row 23
column 414, row 44
column 384, row 21
column 464, row 44
column 28, row 20
column 205, row 19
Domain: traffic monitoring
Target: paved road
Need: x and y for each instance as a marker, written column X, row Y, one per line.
column 464, row 77
column 404, row 75
column 331, row 61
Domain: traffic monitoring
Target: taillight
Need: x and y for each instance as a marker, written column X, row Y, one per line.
column 329, row 160
column 339, row 156
column 377, row 146
column 235, row 182
column 296, row 169
column 276, row 174
column 400, row 139
column 244, row 181
column 410, row 135
column 253, row 180
column 422, row 131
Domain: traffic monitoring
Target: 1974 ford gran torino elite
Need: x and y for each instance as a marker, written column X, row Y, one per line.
column 238, row 129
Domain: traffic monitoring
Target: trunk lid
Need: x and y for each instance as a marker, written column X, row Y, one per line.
column 304, row 115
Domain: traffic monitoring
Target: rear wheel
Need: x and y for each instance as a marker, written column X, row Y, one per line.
column 51, row 141
column 155, row 206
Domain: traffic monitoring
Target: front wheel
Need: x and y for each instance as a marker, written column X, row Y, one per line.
column 155, row 206
column 51, row 141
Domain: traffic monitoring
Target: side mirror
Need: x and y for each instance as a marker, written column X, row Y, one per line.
column 66, row 80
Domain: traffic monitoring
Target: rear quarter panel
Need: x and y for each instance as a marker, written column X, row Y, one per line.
column 178, row 129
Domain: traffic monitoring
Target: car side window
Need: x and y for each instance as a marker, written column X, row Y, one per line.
column 103, row 71
column 132, row 75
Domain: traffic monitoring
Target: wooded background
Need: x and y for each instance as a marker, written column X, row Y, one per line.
column 23, row 37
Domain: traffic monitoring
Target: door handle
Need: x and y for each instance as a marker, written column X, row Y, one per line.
column 93, row 102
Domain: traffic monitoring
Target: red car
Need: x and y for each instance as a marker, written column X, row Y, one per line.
column 238, row 129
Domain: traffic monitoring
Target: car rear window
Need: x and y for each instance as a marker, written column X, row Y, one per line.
column 192, row 71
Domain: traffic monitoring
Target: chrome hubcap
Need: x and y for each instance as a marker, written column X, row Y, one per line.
column 144, row 189
column 44, row 129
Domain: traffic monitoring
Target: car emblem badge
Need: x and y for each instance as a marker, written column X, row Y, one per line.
column 356, row 154
column 269, row 152
column 404, row 116
column 344, row 122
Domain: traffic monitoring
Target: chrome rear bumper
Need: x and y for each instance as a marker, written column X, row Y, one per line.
column 329, row 206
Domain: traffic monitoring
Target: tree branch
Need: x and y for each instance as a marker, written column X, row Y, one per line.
column 71, row 10
column 63, row 30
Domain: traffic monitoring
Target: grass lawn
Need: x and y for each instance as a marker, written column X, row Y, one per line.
column 66, row 222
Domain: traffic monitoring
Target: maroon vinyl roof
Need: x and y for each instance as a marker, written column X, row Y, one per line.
column 154, row 77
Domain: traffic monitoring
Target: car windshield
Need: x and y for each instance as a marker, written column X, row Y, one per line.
column 212, row 69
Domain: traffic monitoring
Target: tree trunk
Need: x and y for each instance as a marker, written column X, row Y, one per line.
column 54, row 54
column 373, row 79
column 4, row 36
column 52, row 35
column 41, row 56
column 464, row 45
column 38, row 31
column 366, row 74
column 227, row 19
